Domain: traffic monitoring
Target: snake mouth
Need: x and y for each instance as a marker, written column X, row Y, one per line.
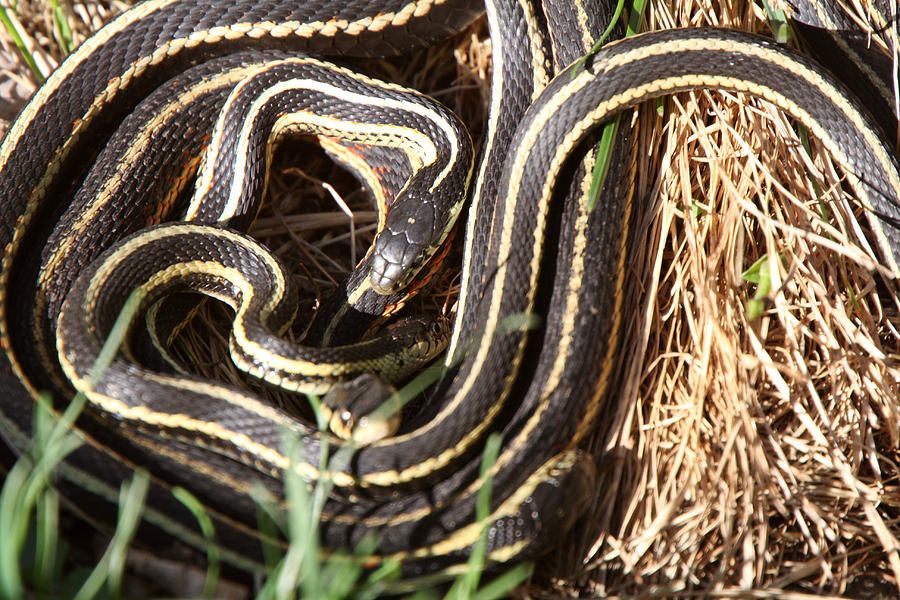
column 395, row 262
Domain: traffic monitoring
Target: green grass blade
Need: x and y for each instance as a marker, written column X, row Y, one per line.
column 23, row 50
column 584, row 60
column 130, row 508
column 502, row 585
column 602, row 162
column 111, row 566
column 340, row 575
column 116, row 335
column 302, row 527
column 25, row 489
column 213, row 553
column 62, row 28
column 377, row 582
column 266, row 512
column 758, row 273
column 636, row 18
column 778, row 21
column 13, row 517
column 466, row 584
column 617, row 14
column 47, row 524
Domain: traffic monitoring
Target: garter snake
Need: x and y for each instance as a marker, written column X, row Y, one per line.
column 525, row 254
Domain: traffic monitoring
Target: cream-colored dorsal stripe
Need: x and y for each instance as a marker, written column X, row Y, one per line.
column 239, row 338
column 540, row 79
column 486, row 342
column 233, row 397
column 487, row 334
column 228, row 31
column 210, row 267
column 143, row 414
column 426, row 148
column 484, row 346
column 539, row 61
column 587, row 40
column 664, row 86
column 236, row 278
column 113, row 183
column 466, row 535
column 124, row 249
column 563, row 344
column 509, row 207
column 498, row 55
column 768, row 56
column 419, row 148
column 391, row 104
column 70, row 64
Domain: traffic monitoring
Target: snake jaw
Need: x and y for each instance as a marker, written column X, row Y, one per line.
column 395, row 261
column 411, row 233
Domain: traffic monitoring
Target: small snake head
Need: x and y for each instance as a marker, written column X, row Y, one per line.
column 356, row 409
column 405, row 243
column 432, row 338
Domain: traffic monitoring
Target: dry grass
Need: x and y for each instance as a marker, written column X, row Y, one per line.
column 744, row 456
column 752, row 455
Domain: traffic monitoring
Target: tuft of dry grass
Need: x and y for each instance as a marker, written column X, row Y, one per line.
column 46, row 41
column 751, row 451
column 752, row 455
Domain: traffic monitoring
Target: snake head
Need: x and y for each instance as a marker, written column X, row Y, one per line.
column 356, row 409
column 406, row 242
